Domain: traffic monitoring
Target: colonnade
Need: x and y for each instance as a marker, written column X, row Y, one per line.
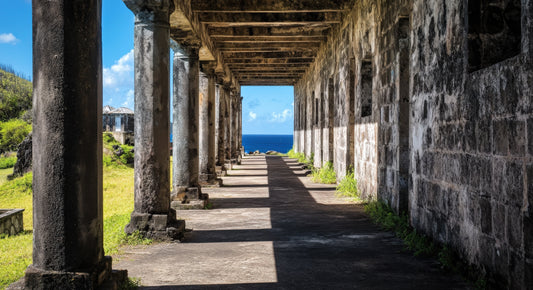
column 67, row 187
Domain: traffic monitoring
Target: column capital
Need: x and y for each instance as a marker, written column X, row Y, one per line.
column 209, row 68
column 154, row 6
column 151, row 11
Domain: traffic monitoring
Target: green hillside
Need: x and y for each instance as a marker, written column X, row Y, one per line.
column 15, row 96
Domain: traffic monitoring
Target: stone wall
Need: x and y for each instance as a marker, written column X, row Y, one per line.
column 442, row 127
column 471, row 149
column 11, row 222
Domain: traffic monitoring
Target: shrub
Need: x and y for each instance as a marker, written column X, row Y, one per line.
column 110, row 158
column 325, row 175
column 7, row 162
column 348, row 186
column 12, row 133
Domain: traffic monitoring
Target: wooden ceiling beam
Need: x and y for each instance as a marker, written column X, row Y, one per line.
column 266, row 55
column 264, row 6
column 318, row 29
column 267, row 19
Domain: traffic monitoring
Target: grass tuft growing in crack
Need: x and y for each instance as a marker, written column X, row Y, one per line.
column 421, row 245
column 348, row 186
column 325, row 175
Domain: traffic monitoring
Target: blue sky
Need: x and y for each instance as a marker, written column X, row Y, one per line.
column 266, row 110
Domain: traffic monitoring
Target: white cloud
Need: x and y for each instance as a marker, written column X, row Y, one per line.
column 281, row 117
column 121, row 72
column 118, row 82
column 253, row 116
column 129, row 99
column 8, row 38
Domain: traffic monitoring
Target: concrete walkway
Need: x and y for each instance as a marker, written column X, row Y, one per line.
column 272, row 228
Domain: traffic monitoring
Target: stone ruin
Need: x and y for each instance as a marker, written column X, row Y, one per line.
column 428, row 100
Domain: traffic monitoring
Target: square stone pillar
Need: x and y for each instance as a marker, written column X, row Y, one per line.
column 152, row 215
column 207, row 127
column 68, row 248
column 185, row 166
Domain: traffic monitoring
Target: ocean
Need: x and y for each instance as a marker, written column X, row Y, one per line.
column 264, row 143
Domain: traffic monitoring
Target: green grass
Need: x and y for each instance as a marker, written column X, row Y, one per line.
column 132, row 283
column 308, row 162
column 7, row 162
column 16, row 251
column 325, row 175
column 299, row 156
column 348, row 186
column 4, row 173
column 422, row 245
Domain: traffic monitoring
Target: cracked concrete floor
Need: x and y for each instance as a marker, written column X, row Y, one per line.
column 272, row 228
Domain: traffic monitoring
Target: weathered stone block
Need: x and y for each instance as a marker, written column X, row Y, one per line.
column 498, row 180
column 516, row 271
column 486, row 257
column 485, row 175
column 514, row 227
column 470, row 140
column 529, row 178
column 514, row 186
column 501, row 264
column 510, row 91
column 530, row 136
column 486, row 215
column 501, row 137
column 474, row 209
column 499, row 221
column 38, row 279
column 484, row 136
column 527, row 221
column 160, row 222
column 517, row 140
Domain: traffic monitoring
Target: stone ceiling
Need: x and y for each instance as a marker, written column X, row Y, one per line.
column 257, row 42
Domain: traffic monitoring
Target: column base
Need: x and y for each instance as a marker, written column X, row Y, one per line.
column 229, row 165
column 236, row 160
column 161, row 227
column 102, row 277
column 191, row 198
column 221, row 171
column 210, row 180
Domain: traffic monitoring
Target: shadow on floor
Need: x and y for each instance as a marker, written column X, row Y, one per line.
column 315, row 245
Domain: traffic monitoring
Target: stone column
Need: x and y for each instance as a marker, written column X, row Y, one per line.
column 203, row 129
column 236, row 148
column 221, row 160
column 68, row 248
column 231, row 125
column 152, row 215
column 241, row 150
column 227, row 124
column 207, row 130
column 217, row 118
column 186, row 189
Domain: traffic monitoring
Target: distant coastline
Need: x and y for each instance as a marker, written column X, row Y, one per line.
column 264, row 143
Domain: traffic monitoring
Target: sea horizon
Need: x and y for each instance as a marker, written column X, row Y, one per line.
column 281, row 143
